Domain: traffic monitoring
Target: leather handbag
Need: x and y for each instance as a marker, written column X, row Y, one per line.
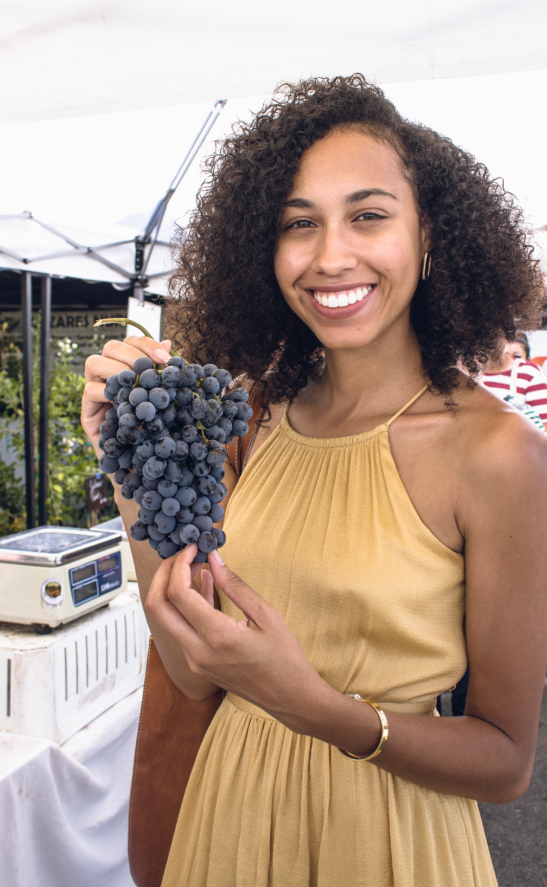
column 171, row 730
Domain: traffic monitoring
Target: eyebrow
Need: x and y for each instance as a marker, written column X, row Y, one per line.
column 355, row 197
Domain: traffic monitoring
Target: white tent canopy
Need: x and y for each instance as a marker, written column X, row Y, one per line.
column 77, row 57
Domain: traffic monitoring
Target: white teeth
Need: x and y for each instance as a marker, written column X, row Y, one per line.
column 341, row 300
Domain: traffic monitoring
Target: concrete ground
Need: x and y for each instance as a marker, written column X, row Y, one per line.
column 517, row 832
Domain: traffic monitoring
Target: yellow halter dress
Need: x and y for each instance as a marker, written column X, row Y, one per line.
column 325, row 531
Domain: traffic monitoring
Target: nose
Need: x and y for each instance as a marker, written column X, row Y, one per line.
column 333, row 253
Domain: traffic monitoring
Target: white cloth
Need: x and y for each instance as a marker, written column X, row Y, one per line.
column 64, row 809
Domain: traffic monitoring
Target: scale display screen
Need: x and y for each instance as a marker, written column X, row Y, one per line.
column 108, row 563
column 84, row 592
column 81, row 573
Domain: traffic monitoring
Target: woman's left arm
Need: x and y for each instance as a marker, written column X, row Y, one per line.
column 488, row 753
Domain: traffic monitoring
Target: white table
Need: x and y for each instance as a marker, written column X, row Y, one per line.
column 64, row 808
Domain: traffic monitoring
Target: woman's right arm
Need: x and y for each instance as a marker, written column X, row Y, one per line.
column 117, row 356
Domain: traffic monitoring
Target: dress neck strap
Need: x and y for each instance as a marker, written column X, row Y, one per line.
column 407, row 405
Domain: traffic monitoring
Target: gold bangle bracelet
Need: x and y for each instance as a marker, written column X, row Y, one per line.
column 383, row 736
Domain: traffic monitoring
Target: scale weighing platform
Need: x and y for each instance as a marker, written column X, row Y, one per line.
column 52, row 575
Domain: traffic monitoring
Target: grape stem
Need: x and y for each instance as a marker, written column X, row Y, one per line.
column 123, row 321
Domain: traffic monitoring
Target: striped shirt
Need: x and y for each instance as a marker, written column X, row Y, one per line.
column 531, row 386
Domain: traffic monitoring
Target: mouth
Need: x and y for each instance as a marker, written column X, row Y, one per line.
column 342, row 298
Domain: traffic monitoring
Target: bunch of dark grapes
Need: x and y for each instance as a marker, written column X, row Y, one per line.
column 162, row 441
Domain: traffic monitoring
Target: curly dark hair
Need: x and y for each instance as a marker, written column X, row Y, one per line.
column 228, row 306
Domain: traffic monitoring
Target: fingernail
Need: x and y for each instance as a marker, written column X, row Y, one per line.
column 160, row 355
column 166, row 343
column 217, row 557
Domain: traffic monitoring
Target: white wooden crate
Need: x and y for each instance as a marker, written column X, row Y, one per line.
column 53, row 685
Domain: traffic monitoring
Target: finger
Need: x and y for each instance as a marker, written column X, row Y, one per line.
column 200, row 614
column 254, row 607
column 207, row 587
column 94, row 397
column 154, row 350
column 166, row 344
column 99, row 368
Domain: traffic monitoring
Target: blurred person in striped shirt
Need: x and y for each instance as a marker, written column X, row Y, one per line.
column 515, row 378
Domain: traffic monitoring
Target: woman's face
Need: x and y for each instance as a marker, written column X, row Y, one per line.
column 350, row 246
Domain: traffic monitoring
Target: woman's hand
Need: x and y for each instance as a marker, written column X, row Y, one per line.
column 116, row 356
column 257, row 658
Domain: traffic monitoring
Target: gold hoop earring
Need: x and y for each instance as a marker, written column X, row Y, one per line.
column 426, row 266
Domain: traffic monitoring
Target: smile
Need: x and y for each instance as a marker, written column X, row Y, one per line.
column 342, row 299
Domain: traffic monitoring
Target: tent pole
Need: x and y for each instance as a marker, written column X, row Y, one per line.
column 44, row 399
column 26, row 318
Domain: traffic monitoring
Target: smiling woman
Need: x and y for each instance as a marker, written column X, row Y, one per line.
column 345, row 260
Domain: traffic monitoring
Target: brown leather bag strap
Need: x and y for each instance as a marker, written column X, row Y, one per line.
column 240, row 448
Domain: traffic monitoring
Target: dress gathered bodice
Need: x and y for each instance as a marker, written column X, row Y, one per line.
column 325, row 531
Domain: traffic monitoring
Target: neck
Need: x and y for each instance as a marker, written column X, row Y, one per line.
column 373, row 379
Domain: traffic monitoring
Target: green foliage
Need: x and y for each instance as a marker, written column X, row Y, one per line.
column 71, row 456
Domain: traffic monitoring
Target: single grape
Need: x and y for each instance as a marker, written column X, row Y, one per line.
column 219, row 493
column 216, row 513
column 123, row 395
column 209, row 369
column 166, row 549
column 154, row 467
column 207, row 543
column 138, row 463
column 139, row 494
column 111, row 413
column 226, row 426
column 159, row 397
column 127, row 377
column 198, row 450
column 141, row 364
column 220, row 536
column 135, row 436
column 172, row 394
column 239, row 428
column 101, row 442
column 124, row 409
column 129, row 420
column 155, row 425
column 198, row 408
column 120, row 474
column 113, row 383
column 185, row 516
column 202, row 505
column 216, row 456
column 190, row 434
column 150, row 379
column 199, row 469
column 189, row 534
column 132, row 481
column 152, row 500
column 154, row 533
column 200, row 558
column 198, row 370
column 146, row 515
column 203, row 522
column 181, row 450
column 239, row 395
column 123, row 436
column 167, row 488
column 113, row 447
column 153, row 544
column 184, row 396
column 138, row 531
column 244, row 411
column 186, row 496
column 171, row 377
column 164, row 522
column 223, row 377
column 108, row 428
column 169, row 415
column 218, row 472
column 145, row 411
column 229, row 408
column 175, row 362
column 210, row 385
column 108, row 464
column 137, row 396
column 125, row 458
column 170, row 507
column 165, row 448
column 187, row 377
column 127, row 493
column 206, row 485
column 150, row 483
column 186, row 477
column 145, row 450
column 215, row 433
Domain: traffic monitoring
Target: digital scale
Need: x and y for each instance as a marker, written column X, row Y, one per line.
column 53, row 575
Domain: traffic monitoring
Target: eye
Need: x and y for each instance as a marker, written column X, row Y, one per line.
column 368, row 216
column 300, row 223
